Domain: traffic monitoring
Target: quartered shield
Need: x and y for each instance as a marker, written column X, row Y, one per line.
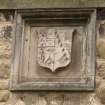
column 54, row 47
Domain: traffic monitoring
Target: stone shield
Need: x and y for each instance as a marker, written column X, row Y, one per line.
column 54, row 47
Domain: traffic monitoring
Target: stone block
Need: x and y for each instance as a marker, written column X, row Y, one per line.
column 101, row 48
column 4, row 84
column 101, row 92
column 5, row 49
column 4, row 95
column 101, row 68
column 4, row 70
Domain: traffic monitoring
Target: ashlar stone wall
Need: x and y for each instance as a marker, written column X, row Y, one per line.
column 49, row 98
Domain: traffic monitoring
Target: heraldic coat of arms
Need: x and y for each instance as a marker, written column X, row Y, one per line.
column 54, row 47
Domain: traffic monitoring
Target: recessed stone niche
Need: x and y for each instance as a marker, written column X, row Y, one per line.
column 54, row 49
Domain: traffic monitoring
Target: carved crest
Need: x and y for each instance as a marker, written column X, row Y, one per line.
column 54, row 47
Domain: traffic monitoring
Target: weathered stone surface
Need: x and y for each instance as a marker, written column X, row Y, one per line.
column 29, row 98
column 4, row 84
column 4, row 70
column 101, row 39
column 101, row 68
column 101, row 48
column 93, row 101
column 101, row 28
column 22, row 4
column 54, row 98
column 53, row 56
column 4, row 95
column 2, row 103
column 101, row 92
column 5, row 55
column 98, row 81
column 20, row 102
column 5, row 49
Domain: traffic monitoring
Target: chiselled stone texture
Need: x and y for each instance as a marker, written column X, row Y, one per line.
column 4, row 71
column 101, row 48
column 101, row 92
column 101, row 68
column 4, row 84
column 101, row 39
column 54, row 50
column 5, row 57
column 45, row 98
column 5, row 54
column 4, row 95
column 49, row 98
column 22, row 4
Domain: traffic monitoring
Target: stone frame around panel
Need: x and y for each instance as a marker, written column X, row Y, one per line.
column 85, row 17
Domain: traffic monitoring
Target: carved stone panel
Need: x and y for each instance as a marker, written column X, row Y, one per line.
column 54, row 47
column 54, row 50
